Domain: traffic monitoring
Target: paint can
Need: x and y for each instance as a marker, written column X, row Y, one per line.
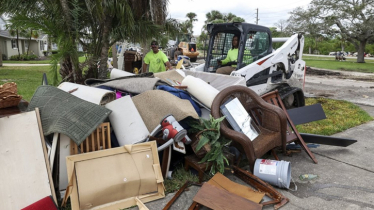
column 277, row 173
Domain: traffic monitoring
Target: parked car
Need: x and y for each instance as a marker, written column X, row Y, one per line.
column 332, row 53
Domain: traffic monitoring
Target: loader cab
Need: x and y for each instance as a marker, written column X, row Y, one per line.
column 254, row 43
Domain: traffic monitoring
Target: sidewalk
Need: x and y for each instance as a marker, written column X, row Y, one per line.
column 24, row 64
column 345, row 176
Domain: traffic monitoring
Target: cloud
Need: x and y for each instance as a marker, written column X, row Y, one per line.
column 269, row 11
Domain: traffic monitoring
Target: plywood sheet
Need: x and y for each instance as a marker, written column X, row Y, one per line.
column 25, row 177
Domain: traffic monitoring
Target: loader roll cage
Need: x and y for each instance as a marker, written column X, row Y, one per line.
column 254, row 43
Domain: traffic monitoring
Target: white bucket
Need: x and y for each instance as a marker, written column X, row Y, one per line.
column 277, row 173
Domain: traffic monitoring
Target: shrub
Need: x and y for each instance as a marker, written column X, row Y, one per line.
column 23, row 57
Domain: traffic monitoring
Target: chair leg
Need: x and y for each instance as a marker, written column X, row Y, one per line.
column 307, row 150
column 274, row 154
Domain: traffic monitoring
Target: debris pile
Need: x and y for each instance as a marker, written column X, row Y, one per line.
column 110, row 144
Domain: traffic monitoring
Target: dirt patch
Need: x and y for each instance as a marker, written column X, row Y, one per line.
column 334, row 74
column 311, row 71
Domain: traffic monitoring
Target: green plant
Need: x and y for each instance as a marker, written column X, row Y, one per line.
column 208, row 133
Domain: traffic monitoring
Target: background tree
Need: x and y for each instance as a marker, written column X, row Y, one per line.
column 191, row 18
column 216, row 16
column 353, row 20
column 281, row 24
column 306, row 20
column 1, row 55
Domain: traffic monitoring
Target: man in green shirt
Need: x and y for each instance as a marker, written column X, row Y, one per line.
column 232, row 56
column 156, row 60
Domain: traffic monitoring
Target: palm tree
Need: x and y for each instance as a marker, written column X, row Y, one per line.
column 15, row 31
column 95, row 25
column 191, row 16
column 229, row 17
column 213, row 15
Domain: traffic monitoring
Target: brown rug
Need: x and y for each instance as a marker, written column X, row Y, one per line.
column 154, row 105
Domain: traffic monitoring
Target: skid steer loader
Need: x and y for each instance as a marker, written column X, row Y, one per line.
column 263, row 68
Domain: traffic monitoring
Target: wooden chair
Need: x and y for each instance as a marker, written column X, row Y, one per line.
column 270, row 119
column 97, row 140
column 292, row 134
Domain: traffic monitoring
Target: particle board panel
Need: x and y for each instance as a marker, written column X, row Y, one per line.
column 26, row 176
column 115, row 178
column 220, row 199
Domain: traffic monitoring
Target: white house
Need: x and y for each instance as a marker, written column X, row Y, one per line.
column 8, row 43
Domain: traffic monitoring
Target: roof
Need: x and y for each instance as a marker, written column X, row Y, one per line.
column 6, row 34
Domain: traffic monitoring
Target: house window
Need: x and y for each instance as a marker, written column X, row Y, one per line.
column 14, row 44
column 41, row 45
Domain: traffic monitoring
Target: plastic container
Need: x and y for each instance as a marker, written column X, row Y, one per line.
column 277, row 173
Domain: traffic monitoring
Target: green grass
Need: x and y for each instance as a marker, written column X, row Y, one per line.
column 348, row 65
column 27, row 78
column 340, row 115
column 179, row 177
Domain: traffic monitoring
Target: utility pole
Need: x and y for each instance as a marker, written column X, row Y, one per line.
column 257, row 17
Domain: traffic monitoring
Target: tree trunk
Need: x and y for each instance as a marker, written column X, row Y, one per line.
column 310, row 50
column 69, row 72
column 1, row 54
column 49, row 48
column 114, row 55
column 1, row 57
column 145, row 49
column 28, row 47
column 19, row 54
column 102, row 74
column 360, row 52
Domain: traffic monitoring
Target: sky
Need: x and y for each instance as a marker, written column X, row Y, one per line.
column 269, row 11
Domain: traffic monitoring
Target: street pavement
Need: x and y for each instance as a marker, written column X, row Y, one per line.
column 25, row 64
column 345, row 174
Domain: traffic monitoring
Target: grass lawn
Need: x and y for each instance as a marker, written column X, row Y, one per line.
column 27, row 78
column 348, row 65
column 340, row 115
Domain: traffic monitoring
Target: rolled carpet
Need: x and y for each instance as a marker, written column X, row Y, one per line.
column 201, row 90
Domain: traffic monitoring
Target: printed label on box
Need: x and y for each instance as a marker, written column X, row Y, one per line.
column 268, row 167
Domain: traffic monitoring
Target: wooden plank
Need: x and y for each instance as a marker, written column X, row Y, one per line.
column 305, row 114
column 26, row 175
column 93, row 141
column 53, row 149
column 101, row 127
column 87, row 144
column 216, row 198
column 327, row 140
column 65, row 144
column 109, row 145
